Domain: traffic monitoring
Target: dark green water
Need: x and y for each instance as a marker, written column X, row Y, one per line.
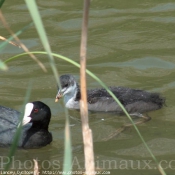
column 130, row 43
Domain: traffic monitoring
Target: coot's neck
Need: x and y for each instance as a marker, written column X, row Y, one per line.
column 73, row 94
column 40, row 125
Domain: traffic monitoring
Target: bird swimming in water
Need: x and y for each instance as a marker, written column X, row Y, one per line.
column 34, row 133
column 135, row 101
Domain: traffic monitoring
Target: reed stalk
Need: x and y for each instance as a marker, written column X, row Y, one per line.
column 87, row 133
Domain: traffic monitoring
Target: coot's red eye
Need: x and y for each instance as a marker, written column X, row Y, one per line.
column 35, row 110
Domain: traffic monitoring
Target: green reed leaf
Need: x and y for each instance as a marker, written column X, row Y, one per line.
column 1, row 3
column 3, row 66
column 19, row 129
column 33, row 9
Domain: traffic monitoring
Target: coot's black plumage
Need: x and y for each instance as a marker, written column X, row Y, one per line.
column 34, row 133
column 135, row 101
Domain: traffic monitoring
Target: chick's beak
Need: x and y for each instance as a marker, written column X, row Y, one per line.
column 58, row 96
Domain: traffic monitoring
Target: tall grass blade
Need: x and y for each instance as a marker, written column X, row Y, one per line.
column 67, row 165
column 108, row 90
column 20, row 43
column 10, row 42
column 41, row 32
column 3, row 66
column 18, row 132
column 1, row 3
column 34, row 12
column 12, row 37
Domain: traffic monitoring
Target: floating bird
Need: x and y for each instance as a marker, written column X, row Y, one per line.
column 35, row 123
column 135, row 101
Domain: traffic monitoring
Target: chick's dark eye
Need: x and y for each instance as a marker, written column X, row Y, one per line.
column 66, row 85
column 35, row 110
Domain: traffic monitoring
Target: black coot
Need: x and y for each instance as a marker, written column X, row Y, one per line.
column 34, row 133
column 135, row 101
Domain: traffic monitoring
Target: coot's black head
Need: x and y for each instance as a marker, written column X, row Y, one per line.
column 38, row 114
column 68, row 85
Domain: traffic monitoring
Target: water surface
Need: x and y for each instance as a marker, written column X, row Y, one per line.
column 130, row 43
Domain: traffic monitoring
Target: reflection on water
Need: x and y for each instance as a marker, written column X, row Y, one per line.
column 131, row 43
